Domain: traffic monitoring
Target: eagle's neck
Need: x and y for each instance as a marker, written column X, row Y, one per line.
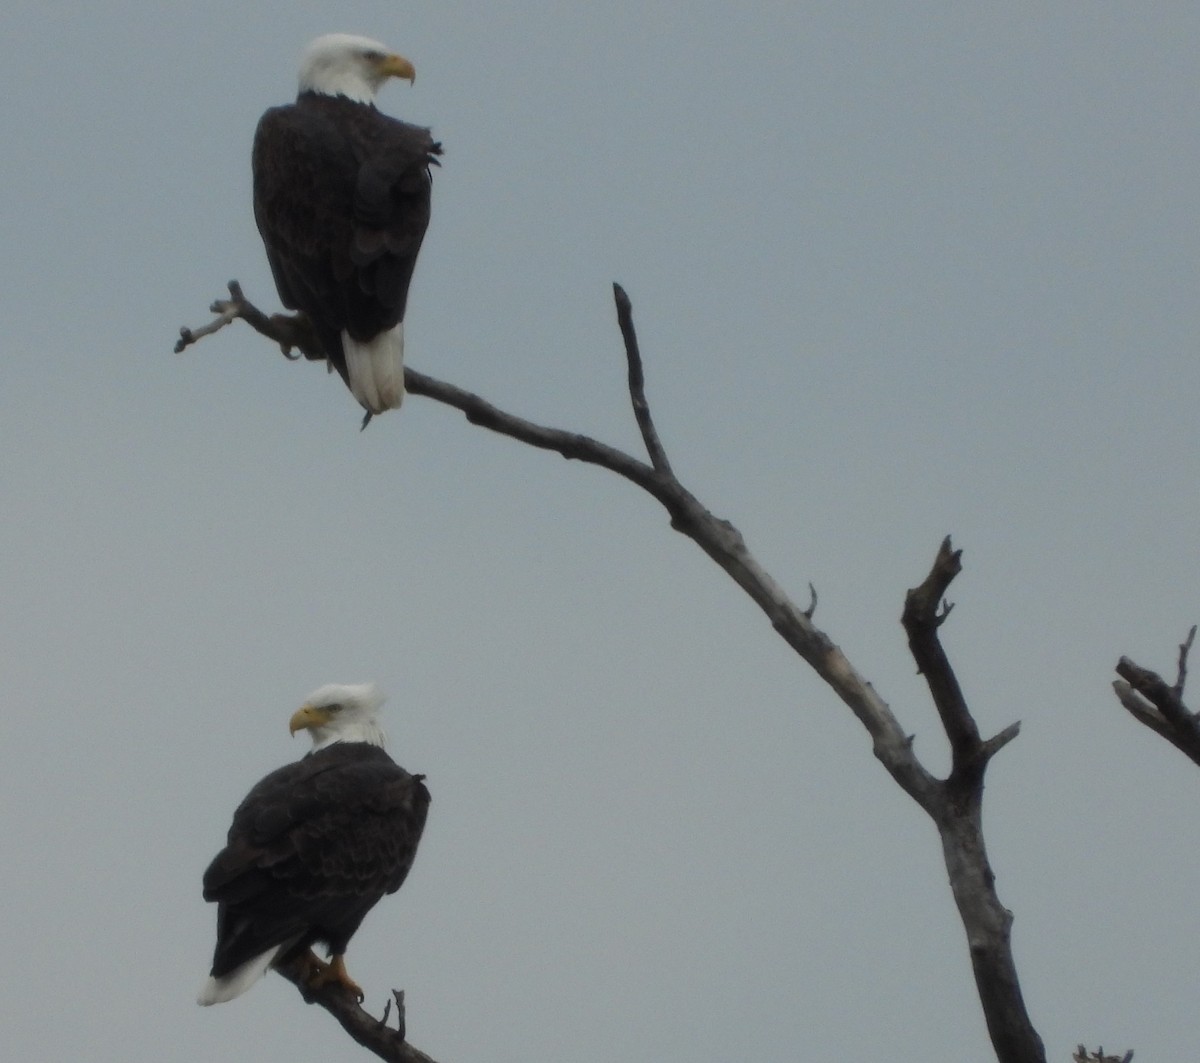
column 347, row 84
column 367, row 731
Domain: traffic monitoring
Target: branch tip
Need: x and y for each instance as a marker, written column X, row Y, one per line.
column 289, row 331
column 926, row 609
column 1184, row 648
column 998, row 741
column 401, row 1020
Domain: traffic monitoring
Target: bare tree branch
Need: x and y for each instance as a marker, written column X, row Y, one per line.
column 1152, row 701
column 290, row 331
column 370, row 1032
column 718, row 538
column 954, row 804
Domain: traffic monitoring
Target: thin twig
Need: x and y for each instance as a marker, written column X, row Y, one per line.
column 227, row 310
column 637, row 383
column 290, row 331
column 401, row 1017
column 1184, row 648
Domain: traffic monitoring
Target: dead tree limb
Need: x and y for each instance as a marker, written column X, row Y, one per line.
column 1152, row 701
column 372, row 1033
column 956, row 807
column 954, row 803
column 290, row 331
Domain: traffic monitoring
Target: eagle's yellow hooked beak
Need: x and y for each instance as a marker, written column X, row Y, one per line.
column 396, row 66
column 307, row 716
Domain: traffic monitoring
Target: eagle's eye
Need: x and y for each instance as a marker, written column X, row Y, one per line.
column 335, row 707
column 373, row 57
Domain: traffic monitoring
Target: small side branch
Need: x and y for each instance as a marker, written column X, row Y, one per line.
column 637, row 383
column 997, row 742
column 1184, row 649
column 370, row 1032
column 1083, row 1056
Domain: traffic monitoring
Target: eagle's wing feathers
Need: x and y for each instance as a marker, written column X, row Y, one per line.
column 312, row 815
column 302, row 176
column 391, row 213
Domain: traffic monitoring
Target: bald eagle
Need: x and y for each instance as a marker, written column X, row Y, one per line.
column 313, row 848
column 341, row 198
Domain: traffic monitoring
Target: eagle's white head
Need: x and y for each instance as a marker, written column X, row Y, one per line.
column 340, row 64
column 341, row 713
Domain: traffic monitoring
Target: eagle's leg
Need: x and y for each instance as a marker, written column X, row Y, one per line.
column 335, row 972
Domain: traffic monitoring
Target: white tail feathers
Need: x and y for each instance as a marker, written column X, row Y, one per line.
column 237, row 981
column 376, row 369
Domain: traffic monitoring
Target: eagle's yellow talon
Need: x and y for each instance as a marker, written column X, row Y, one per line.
column 334, row 972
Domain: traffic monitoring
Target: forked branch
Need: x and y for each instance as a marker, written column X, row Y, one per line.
column 1159, row 705
column 956, row 807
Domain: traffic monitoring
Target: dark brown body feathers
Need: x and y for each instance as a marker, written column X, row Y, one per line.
column 342, row 200
column 313, row 847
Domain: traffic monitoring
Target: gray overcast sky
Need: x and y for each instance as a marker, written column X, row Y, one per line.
column 898, row 270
